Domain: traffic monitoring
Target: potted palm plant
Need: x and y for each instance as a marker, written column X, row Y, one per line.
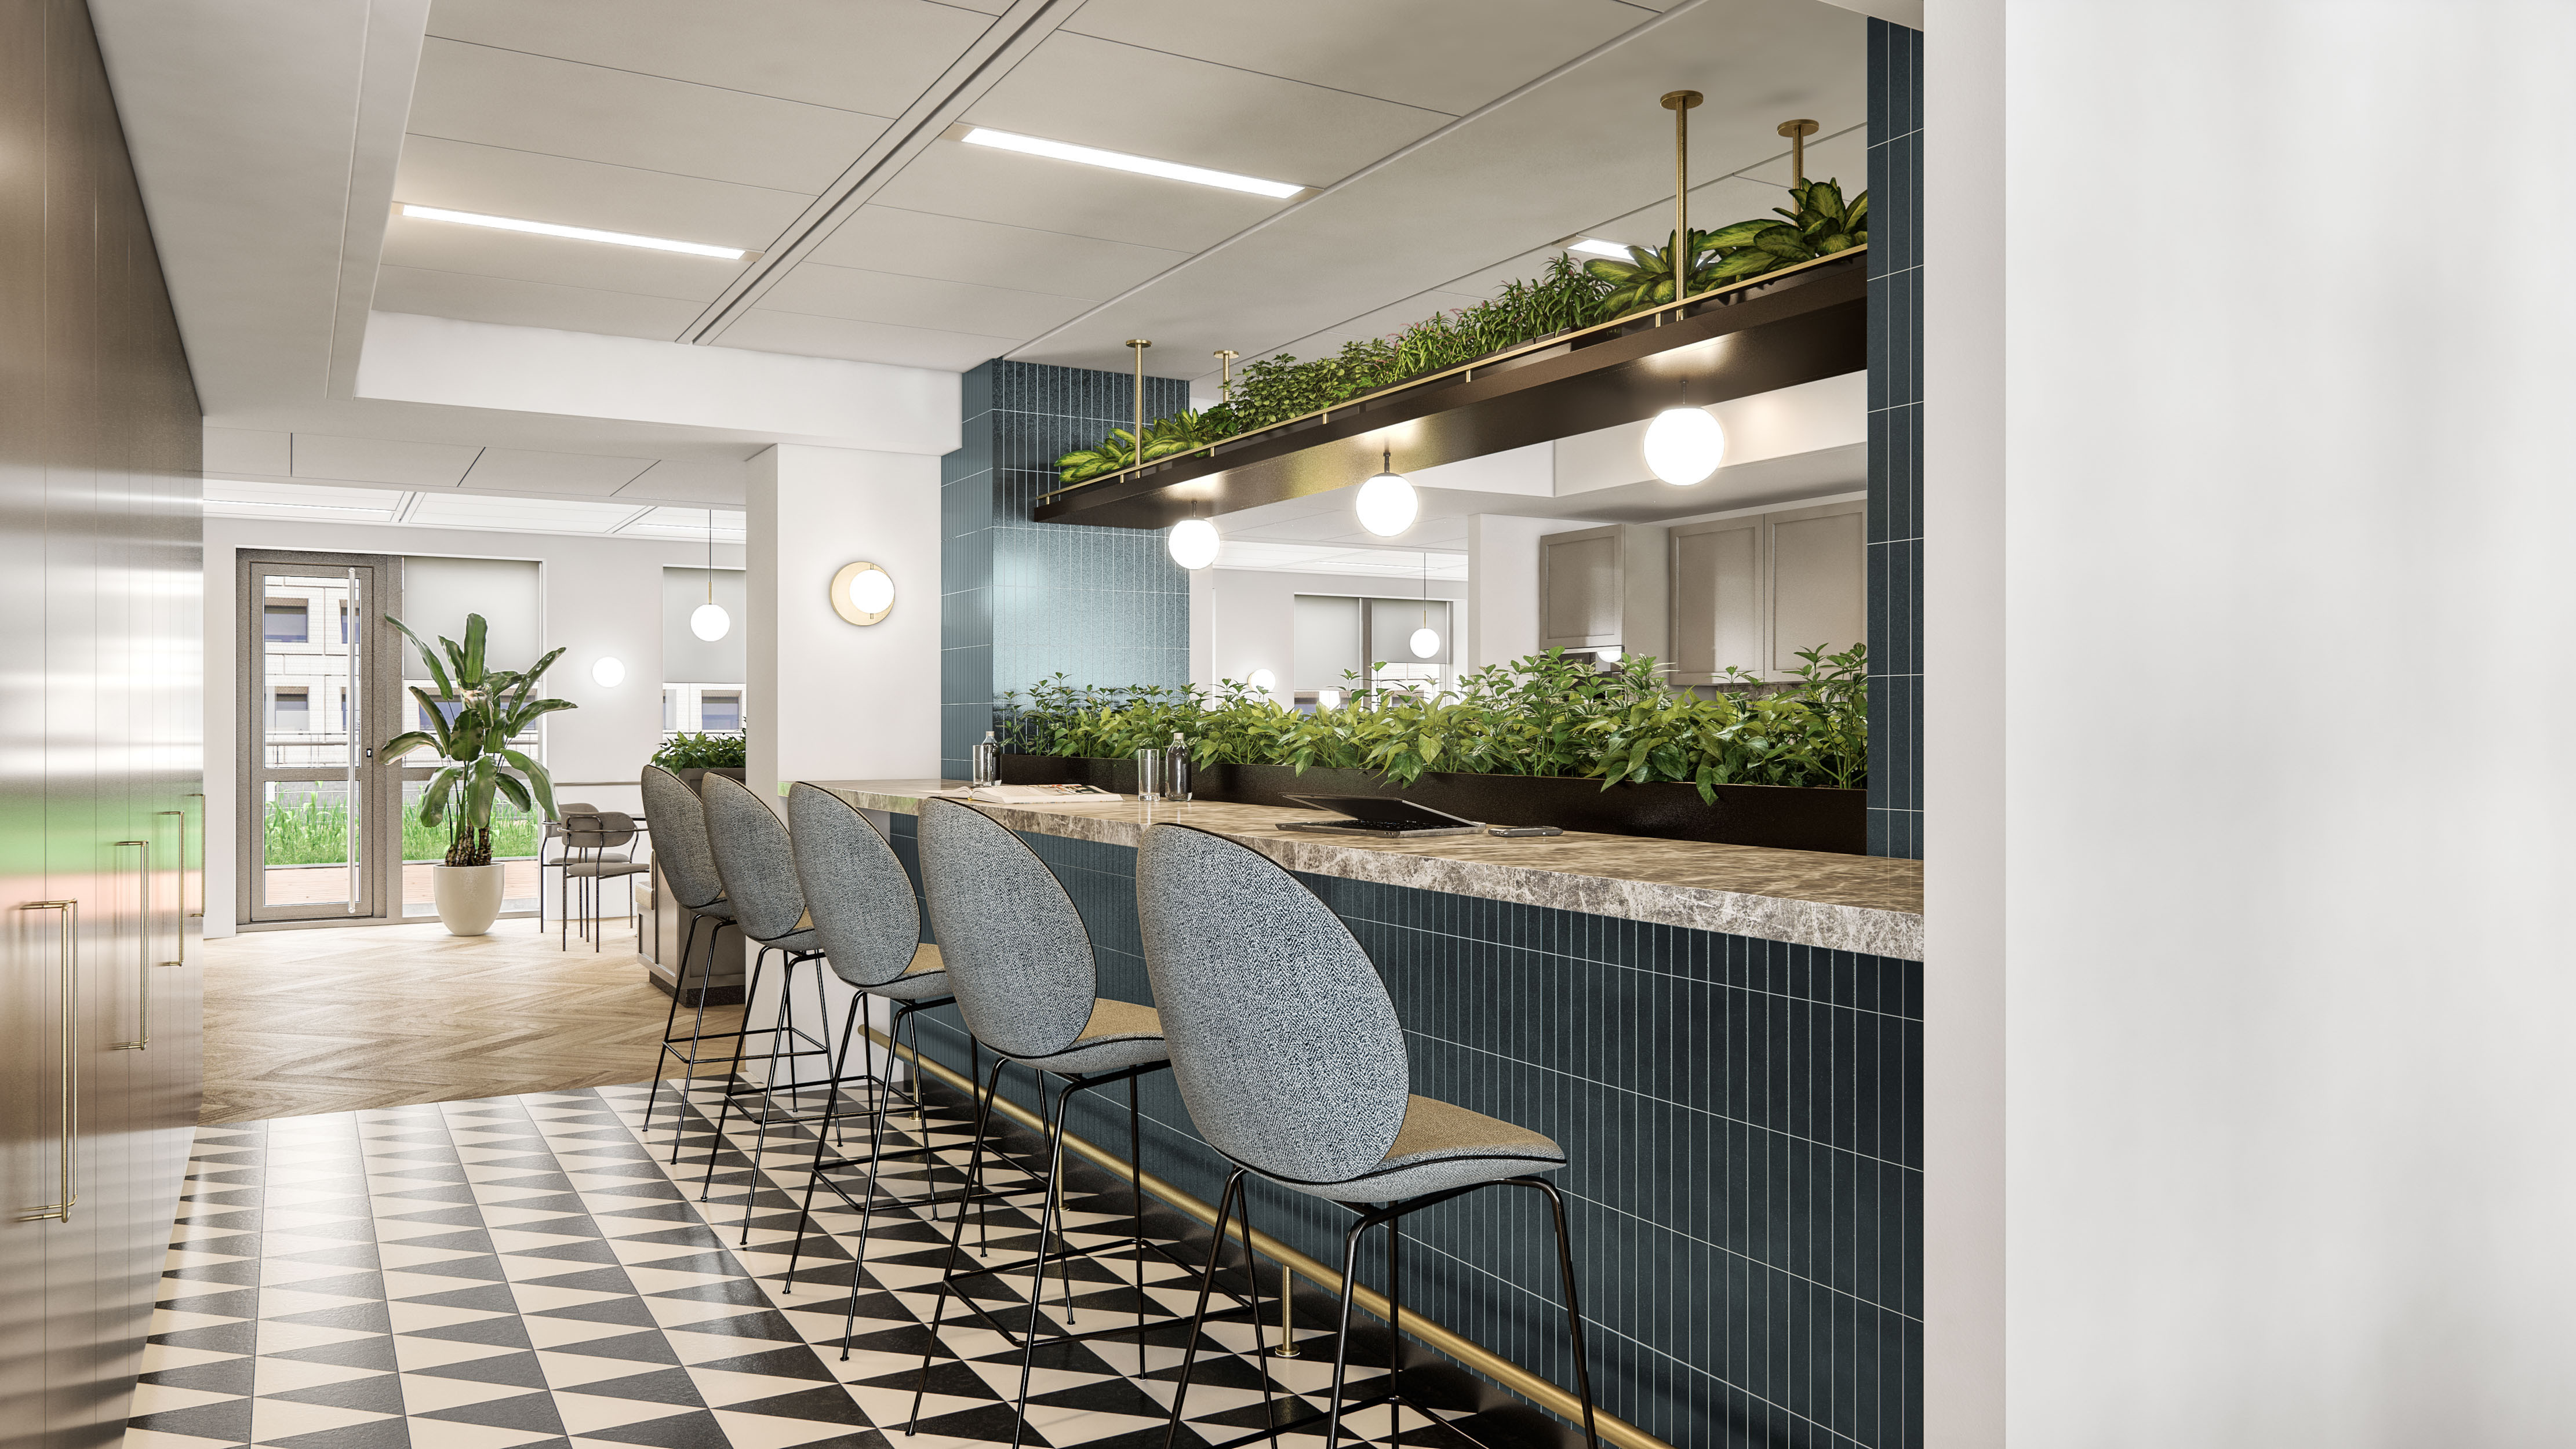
column 472, row 719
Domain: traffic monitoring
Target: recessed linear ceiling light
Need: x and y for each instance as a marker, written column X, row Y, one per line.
column 576, row 233
column 298, row 507
column 1120, row 161
column 1595, row 247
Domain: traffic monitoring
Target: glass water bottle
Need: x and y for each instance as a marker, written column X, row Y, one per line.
column 1176, row 769
column 987, row 768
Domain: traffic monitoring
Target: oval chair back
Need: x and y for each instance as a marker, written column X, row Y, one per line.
column 855, row 888
column 593, row 829
column 1018, row 957
column 680, row 839
column 753, row 860
column 1284, row 1042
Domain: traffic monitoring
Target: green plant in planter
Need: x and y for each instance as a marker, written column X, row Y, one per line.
column 1551, row 714
column 703, row 752
column 473, row 717
column 1646, row 278
column 1820, row 224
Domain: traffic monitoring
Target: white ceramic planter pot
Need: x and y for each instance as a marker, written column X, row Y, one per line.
column 468, row 896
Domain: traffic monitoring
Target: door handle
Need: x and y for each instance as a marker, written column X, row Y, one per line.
column 62, row 1211
column 179, row 923
column 199, row 913
column 143, row 956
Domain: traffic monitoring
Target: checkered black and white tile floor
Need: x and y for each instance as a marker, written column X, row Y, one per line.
column 526, row 1271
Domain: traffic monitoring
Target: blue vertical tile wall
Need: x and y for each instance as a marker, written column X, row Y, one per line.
column 1895, row 440
column 1743, row 1119
column 1021, row 600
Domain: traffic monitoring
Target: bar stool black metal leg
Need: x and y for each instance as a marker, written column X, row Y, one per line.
column 1342, row 1334
column 1049, row 1214
column 1573, row 1313
column 956, row 1249
column 822, row 1136
column 778, row 1037
column 662, row 1056
column 1198, row 1319
column 1136, row 1180
column 1394, row 1334
column 724, row 1114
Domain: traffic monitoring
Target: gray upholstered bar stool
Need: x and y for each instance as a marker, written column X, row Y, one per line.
column 1021, row 966
column 689, row 868
column 1290, row 1058
column 758, row 868
column 862, row 907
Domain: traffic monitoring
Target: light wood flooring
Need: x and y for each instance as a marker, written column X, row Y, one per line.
column 299, row 1022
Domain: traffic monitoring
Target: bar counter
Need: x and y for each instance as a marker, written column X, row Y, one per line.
column 1726, row 1040
column 1807, row 898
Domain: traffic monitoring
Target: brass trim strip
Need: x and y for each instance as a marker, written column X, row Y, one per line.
column 1543, row 1392
column 1556, row 339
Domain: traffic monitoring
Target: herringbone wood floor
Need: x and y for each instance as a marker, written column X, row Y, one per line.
column 299, row 1022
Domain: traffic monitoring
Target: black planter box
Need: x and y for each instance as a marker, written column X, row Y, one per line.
column 1781, row 817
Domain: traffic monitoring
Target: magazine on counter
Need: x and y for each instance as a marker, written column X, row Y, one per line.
column 1028, row 794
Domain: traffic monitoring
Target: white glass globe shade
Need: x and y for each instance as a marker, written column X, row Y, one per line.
column 1193, row 543
column 1608, row 654
column 709, row 622
column 1425, row 642
column 1328, row 698
column 608, row 673
column 1684, row 445
column 1387, row 505
column 1263, row 680
column 872, row 591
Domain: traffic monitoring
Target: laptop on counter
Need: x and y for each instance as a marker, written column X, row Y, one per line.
column 1384, row 819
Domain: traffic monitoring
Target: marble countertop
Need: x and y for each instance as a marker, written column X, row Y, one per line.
column 1838, row 902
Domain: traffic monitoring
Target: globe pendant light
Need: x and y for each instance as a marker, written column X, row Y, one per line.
column 1684, row 445
column 1426, row 640
column 1386, row 502
column 709, row 621
column 1193, row 543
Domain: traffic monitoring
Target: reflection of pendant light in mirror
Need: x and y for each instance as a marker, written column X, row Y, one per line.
column 1386, row 502
column 709, row 621
column 1329, row 698
column 1426, row 640
column 1684, row 445
column 1263, row 680
column 1193, row 543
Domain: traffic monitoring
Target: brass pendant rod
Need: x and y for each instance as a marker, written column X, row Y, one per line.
column 1798, row 132
column 1680, row 103
column 1138, row 346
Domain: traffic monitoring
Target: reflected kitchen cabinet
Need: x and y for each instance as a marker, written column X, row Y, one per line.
column 1749, row 592
column 1604, row 588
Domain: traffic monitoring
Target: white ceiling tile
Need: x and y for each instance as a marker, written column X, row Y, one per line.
column 462, row 176
column 535, row 103
column 382, row 460
column 446, row 246
column 676, row 481
column 1447, row 55
column 275, row 498
column 243, row 450
column 865, row 296
column 1152, row 103
column 547, row 515
column 960, row 249
column 520, row 471
column 762, row 330
column 875, row 56
column 532, row 304
column 955, row 179
column 726, row 525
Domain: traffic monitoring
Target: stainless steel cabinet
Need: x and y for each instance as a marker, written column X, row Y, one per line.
column 100, row 564
column 1604, row 588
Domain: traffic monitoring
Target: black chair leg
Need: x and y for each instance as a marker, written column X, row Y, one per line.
column 724, row 1114
column 1573, row 1312
column 662, row 1053
column 1198, row 1319
column 1050, row 1215
column 1342, row 1332
column 956, row 1248
column 822, row 1137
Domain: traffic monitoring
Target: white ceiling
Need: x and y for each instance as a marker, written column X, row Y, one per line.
column 331, row 503
column 1453, row 144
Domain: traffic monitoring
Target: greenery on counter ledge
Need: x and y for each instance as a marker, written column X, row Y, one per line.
column 1818, row 223
column 1547, row 714
column 703, row 752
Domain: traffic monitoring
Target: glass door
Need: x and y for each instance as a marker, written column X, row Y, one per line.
column 313, row 703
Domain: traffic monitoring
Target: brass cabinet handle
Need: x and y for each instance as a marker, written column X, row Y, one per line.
column 62, row 1211
column 179, row 924
column 199, row 913
column 143, row 956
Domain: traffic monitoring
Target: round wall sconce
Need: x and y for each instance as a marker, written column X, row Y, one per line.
column 862, row 593
column 710, row 622
column 1263, row 680
column 609, row 672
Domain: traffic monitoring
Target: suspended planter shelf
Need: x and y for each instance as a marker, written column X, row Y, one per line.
column 1799, row 324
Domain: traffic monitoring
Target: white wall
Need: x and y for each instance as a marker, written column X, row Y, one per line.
column 831, row 700
column 603, row 596
column 1245, row 619
column 2275, row 659
column 1502, row 584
